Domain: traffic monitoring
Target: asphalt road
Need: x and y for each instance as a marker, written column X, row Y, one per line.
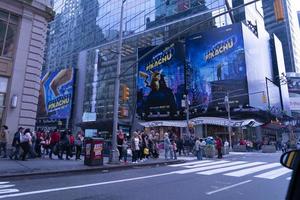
column 238, row 177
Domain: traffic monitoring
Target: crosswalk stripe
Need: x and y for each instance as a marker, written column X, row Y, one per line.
column 252, row 170
column 206, row 164
column 3, row 183
column 274, row 173
column 208, row 167
column 6, row 191
column 216, row 171
column 6, row 186
column 190, row 163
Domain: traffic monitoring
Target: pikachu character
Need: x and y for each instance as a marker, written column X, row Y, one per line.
column 155, row 79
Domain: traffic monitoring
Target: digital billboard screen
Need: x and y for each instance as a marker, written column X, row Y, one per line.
column 56, row 94
column 294, row 92
column 160, row 81
column 217, row 66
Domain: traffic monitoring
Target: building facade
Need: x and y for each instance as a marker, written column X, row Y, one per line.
column 23, row 27
column 286, row 30
column 86, row 24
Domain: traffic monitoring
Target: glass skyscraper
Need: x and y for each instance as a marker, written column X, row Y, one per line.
column 287, row 31
column 84, row 35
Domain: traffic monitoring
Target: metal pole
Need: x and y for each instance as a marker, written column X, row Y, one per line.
column 229, row 121
column 187, row 115
column 114, row 151
column 267, row 87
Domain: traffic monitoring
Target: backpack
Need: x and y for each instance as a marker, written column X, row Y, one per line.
column 24, row 138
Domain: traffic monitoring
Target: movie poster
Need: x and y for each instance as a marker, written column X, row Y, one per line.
column 216, row 66
column 56, row 94
column 294, row 93
column 160, row 82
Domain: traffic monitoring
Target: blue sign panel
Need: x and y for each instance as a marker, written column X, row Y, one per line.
column 217, row 67
column 56, row 94
column 160, row 81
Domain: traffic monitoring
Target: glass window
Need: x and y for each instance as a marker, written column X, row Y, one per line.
column 2, row 34
column 3, row 84
column 3, row 15
column 10, row 40
column 2, row 101
column 13, row 19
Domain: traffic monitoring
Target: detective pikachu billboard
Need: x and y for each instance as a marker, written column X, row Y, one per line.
column 160, row 81
column 217, row 65
column 56, row 94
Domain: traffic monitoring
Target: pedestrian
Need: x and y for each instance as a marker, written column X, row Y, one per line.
column 198, row 149
column 219, row 145
column 3, row 140
column 16, row 144
column 156, row 145
column 38, row 144
column 174, row 149
column 64, row 145
column 135, row 147
column 179, row 144
column 71, row 143
column 32, row 152
column 78, row 144
column 124, row 150
column 54, row 143
column 145, row 147
column 120, row 140
column 202, row 146
column 167, row 145
column 25, row 143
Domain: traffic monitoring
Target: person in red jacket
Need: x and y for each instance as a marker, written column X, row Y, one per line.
column 219, row 145
column 72, row 143
column 54, row 143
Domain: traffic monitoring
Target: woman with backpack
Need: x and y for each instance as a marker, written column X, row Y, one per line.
column 25, row 143
column 78, row 144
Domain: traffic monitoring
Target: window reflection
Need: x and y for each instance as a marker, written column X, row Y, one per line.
column 8, row 33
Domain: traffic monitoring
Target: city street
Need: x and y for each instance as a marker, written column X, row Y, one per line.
column 237, row 176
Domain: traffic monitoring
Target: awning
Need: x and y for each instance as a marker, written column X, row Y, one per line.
column 225, row 122
column 203, row 120
column 163, row 123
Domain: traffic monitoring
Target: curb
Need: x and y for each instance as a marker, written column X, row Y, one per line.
column 88, row 170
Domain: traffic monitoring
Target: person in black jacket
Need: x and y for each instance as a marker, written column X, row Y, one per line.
column 64, row 145
column 16, row 144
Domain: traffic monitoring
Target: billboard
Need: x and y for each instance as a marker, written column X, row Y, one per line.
column 294, row 92
column 56, row 94
column 160, row 82
column 217, row 66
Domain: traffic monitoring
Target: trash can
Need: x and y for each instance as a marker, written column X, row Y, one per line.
column 93, row 155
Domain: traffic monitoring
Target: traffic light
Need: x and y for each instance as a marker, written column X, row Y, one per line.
column 278, row 10
column 125, row 93
column 123, row 112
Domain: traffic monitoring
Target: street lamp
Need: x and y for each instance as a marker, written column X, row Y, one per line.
column 114, row 158
column 227, row 106
column 187, row 114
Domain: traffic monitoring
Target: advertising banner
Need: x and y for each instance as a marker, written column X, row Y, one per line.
column 217, row 66
column 294, row 93
column 160, row 81
column 56, row 94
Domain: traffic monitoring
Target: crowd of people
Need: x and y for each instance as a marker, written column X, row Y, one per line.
column 141, row 146
column 30, row 144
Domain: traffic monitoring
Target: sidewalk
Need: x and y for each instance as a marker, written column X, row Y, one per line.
column 45, row 166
